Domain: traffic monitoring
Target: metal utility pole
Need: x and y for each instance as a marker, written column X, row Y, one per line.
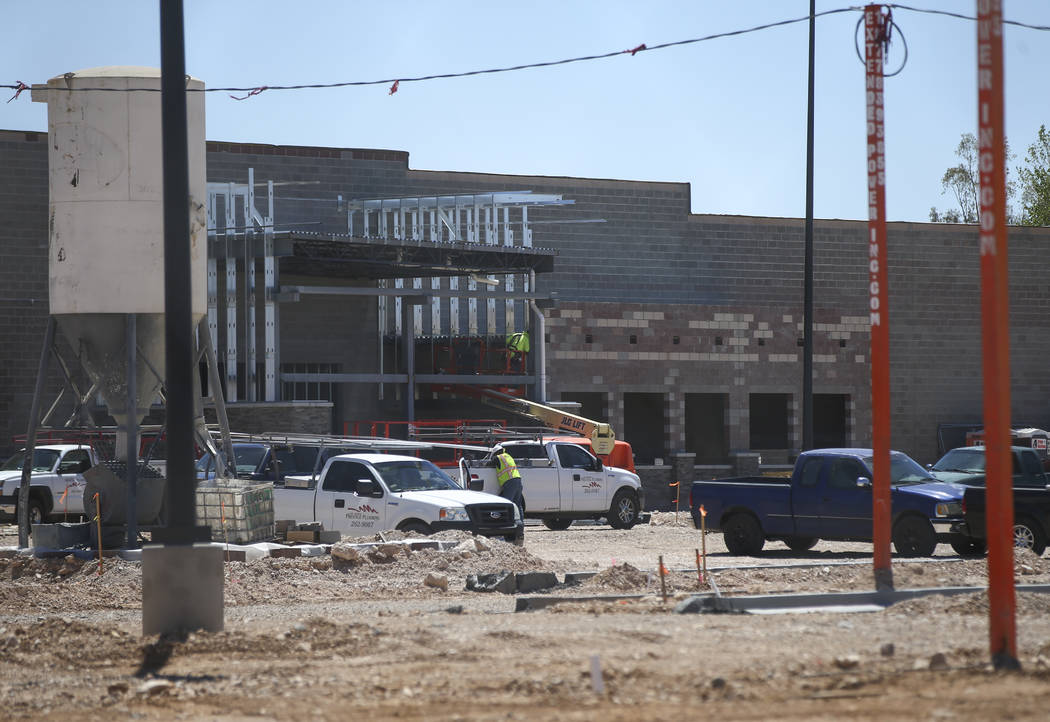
column 182, row 582
column 178, row 324
column 807, row 309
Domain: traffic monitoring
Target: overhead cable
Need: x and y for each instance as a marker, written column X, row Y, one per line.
column 394, row 83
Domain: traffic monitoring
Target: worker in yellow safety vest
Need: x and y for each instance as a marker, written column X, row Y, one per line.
column 509, row 479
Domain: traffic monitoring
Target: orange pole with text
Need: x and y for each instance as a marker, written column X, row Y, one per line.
column 995, row 334
column 876, row 27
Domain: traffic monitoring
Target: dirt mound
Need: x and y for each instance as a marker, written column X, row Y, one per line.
column 669, row 518
column 976, row 604
column 622, row 577
column 394, row 535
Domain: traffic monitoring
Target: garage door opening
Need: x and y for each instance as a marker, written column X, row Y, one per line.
column 644, row 421
column 705, row 427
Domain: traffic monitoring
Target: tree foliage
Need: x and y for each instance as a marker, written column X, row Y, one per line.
column 964, row 182
column 1035, row 182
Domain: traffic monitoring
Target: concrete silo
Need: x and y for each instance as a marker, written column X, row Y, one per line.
column 106, row 248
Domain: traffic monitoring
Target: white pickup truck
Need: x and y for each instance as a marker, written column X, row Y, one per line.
column 561, row 482
column 56, row 486
column 360, row 494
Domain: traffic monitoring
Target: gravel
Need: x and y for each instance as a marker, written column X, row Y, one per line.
column 338, row 638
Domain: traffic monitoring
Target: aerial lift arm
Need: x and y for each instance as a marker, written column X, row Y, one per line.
column 602, row 436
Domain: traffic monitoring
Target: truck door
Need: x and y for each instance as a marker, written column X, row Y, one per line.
column 807, row 496
column 580, row 481
column 1031, row 471
column 539, row 477
column 71, row 472
column 338, row 506
column 846, row 509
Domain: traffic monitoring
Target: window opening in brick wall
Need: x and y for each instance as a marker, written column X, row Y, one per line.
column 718, row 340
column 768, row 420
column 842, row 343
column 643, row 422
column 831, row 420
column 675, row 340
column 761, row 342
column 632, row 339
column 706, row 434
column 592, row 403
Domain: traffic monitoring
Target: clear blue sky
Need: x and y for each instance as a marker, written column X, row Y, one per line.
column 727, row 115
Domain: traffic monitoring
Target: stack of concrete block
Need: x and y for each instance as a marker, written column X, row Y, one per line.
column 237, row 513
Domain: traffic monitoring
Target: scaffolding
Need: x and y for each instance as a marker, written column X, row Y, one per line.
column 480, row 242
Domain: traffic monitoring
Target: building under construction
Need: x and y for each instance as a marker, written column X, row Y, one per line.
column 345, row 287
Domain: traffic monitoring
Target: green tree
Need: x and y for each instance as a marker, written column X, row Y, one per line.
column 964, row 182
column 1035, row 182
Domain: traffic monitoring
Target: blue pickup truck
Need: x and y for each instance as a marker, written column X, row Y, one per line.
column 829, row 496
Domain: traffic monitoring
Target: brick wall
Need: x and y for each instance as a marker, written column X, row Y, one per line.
column 23, row 277
column 728, row 287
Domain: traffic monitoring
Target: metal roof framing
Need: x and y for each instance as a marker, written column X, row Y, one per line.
column 332, row 255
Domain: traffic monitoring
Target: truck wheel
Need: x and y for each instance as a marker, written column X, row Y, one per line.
column 414, row 527
column 801, row 543
column 623, row 514
column 913, row 536
column 36, row 512
column 1028, row 535
column 743, row 535
column 557, row 524
column 969, row 547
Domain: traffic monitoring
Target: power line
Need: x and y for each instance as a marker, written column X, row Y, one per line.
column 960, row 16
column 393, row 82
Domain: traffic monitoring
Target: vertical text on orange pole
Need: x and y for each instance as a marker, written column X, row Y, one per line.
column 875, row 25
column 995, row 333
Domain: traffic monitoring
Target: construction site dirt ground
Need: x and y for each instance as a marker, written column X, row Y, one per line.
column 320, row 638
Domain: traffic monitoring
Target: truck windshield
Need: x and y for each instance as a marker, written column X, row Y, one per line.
column 904, row 471
column 416, row 475
column 43, row 460
column 969, row 460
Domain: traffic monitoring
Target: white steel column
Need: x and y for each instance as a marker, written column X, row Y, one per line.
column 250, row 373
column 508, row 240
column 453, row 307
column 437, row 234
column 490, row 303
column 213, row 277
column 270, row 311
column 231, row 299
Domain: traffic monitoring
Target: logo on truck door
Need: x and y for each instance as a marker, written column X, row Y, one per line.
column 592, row 487
column 363, row 516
